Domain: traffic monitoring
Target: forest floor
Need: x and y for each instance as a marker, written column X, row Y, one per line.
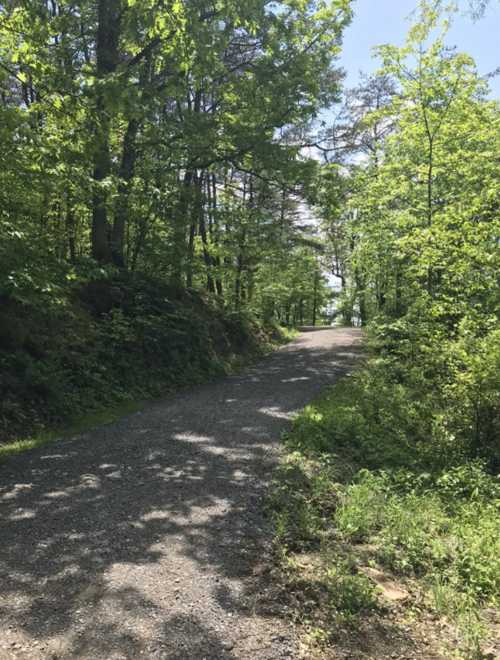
column 147, row 537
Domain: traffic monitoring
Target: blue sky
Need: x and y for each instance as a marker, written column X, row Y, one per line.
column 384, row 21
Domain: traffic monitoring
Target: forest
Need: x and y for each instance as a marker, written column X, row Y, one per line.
column 151, row 185
column 184, row 183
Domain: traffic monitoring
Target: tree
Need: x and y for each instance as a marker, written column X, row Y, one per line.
column 422, row 216
column 154, row 138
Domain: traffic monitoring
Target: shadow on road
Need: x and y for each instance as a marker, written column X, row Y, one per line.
column 144, row 536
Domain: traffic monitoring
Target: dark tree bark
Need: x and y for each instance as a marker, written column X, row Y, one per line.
column 207, row 258
column 190, row 255
column 108, row 32
column 71, row 230
column 179, row 237
column 315, row 297
column 240, row 258
column 360, row 293
column 214, row 229
column 127, row 169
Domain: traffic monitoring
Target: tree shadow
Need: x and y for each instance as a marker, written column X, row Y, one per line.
column 142, row 537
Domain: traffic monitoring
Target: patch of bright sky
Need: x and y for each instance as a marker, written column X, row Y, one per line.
column 377, row 22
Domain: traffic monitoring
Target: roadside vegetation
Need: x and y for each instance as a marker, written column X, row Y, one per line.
column 109, row 345
column 365, row 516
column 392, row 477
column 180, row 181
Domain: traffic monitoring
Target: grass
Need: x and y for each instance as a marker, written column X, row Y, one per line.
column 72, row 428
column 345, row 499
column 288, row 334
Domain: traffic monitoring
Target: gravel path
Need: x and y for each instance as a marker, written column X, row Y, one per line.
column 146, row 537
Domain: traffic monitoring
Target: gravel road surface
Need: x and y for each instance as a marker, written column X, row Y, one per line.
column 146, row 537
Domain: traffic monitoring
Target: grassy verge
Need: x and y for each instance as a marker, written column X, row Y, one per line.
column 72, row 428
column 361, row 536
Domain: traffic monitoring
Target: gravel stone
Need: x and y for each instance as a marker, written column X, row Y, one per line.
column 127, row 541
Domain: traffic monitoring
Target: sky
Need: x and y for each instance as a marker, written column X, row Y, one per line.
column 384, row 21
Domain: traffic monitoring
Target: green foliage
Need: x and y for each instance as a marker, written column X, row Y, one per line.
column 362, row 507
column 450, row 538
column 412, row 216
column 291, row 287
column 357, row 476
column 349, row 593
column 155, row 149
column 148, row 212
column 112, row 340
column 299, row 487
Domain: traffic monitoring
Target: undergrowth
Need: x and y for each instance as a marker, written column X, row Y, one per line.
column 354, row 491
column 106, row 344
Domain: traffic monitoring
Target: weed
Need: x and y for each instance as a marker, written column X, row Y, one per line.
column 349, row 478
column 349, row 593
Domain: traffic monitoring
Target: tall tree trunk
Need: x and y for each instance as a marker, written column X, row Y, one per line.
column 70, row 229
column 207, row 257
column 179, row 237
column 190, row 255
column 380, row 295
column 240, row 258
column 237, row 281
column 214, row 229
column 315, row 297
column 360, row 292
column 184, row 266
column 108, row 31
column 127, row 169
column 139, row 243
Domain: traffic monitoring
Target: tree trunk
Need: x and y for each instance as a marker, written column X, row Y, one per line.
column 207, row 258
column 214, row 229
column 108, row 30
column 179, row 238
column 139, row 243
column 70, row 230
column 315, row 297
column 360, row 291
column 127, row 169
column 190, row 255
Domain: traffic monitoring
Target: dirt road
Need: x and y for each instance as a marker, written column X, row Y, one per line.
column 146, row 538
